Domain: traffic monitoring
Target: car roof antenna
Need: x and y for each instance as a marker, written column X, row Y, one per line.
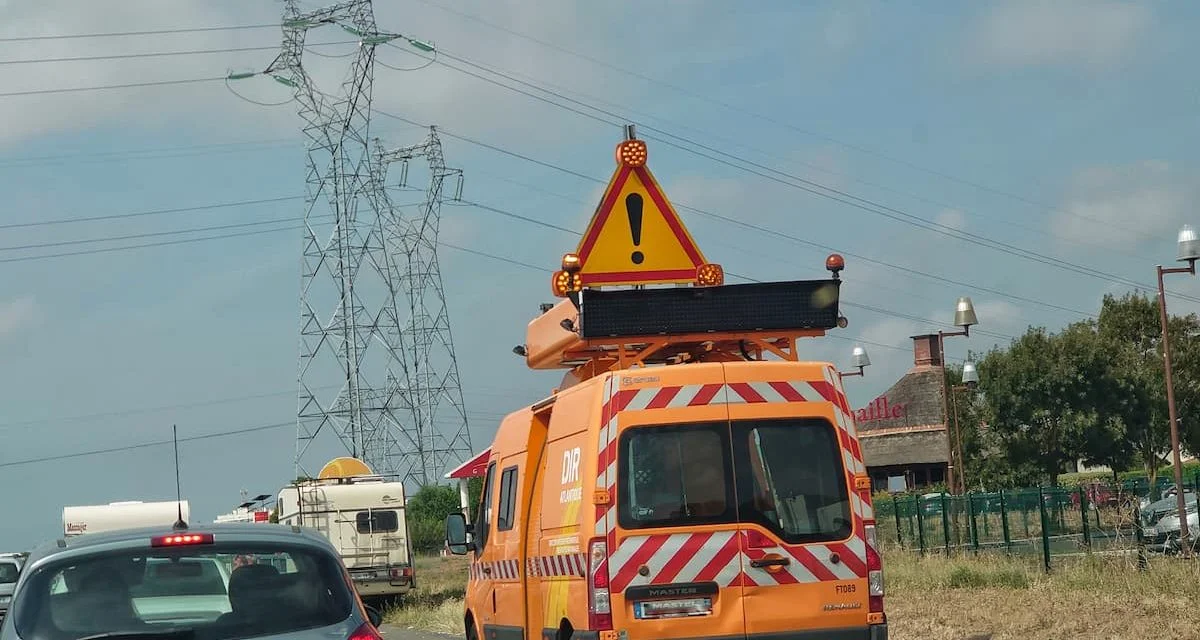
column 180, row 525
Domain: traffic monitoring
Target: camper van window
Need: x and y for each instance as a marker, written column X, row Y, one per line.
column 675, row 475
column 791, row 480
column 484, row 521
column 508, row 499
column 385, row 521
column 8, row 572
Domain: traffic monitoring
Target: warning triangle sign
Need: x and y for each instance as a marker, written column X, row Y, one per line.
column 635, row 236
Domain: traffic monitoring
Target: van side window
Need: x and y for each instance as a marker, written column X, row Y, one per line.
column 508, row 499
column 675, row 475
column 483, row 522
column 791, row 480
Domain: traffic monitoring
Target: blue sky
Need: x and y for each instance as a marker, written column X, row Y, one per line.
column 1062, row 128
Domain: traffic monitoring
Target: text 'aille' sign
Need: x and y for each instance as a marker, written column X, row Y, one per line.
column 880, row 409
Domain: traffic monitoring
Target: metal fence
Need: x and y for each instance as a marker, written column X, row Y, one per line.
column 1047, row 521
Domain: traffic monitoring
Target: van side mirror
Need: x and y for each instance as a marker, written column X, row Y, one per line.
column 456, row 534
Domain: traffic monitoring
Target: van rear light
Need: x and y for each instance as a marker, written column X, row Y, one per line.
column 365, row 631
column 599, row 601
column 874, row 576
column 181, row 539
column 401, row 572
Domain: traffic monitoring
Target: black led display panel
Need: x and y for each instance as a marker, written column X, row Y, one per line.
column 759, row 306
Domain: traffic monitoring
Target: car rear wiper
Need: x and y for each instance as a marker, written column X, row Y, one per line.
column 163, row 634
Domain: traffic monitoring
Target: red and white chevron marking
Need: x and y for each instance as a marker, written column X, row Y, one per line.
column 555, row 566
column 719, row 556
column 496, row 570
column 724, row 557
column 680, row 557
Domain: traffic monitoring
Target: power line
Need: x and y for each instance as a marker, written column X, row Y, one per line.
column 814, row 134
column 748, row 225
column 927, row 200
column 152, row 212
column 152, row 234
column 122, row 34
column 145, row 445
column 163, row 243
column 802, row 184
column 106, row 87
column 159, row 54
column 150, row 154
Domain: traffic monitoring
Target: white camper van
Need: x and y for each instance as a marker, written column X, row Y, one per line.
column 122, row 515
column 364, row 518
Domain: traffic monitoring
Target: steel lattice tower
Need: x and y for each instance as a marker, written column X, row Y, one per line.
column 348, row 365
column 436, row 434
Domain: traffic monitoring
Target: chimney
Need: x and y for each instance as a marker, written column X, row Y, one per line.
column 926, row 351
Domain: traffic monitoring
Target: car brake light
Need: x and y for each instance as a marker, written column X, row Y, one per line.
column 181, row 539
column 599, row 603
column 875, row 613
column 365, row 631
column 401, row 572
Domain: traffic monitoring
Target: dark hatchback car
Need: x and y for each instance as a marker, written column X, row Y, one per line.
column 216, row 582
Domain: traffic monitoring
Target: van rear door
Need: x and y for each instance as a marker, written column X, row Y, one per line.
column 801, row 536
column 674, row 556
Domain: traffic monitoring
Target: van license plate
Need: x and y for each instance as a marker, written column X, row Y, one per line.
column 672, row 608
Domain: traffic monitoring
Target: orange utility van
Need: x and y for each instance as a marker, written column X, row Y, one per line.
column 692, row 478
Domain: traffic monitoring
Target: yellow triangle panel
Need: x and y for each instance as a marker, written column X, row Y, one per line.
column 636, row 237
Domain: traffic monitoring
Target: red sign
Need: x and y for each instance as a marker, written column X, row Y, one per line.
column 879, row 409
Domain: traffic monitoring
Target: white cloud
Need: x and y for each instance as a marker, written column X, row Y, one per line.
column 1126, row 206
column 953, row 218
column 435, row 93
column 17, row 314
column 1091, row 33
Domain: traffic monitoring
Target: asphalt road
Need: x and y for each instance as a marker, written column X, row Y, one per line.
column 390, row 632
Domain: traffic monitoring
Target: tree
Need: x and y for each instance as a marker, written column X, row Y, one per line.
column 1130, row 329
column 1042, row 395
column 433, row 502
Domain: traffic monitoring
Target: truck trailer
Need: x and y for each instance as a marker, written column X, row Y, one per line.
column 122, row 515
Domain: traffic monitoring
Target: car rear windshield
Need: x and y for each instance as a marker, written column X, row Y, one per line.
column 8, row 572
column 220, row 592
column 785, row 475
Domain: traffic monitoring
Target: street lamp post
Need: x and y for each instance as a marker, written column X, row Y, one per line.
column 970, row 378
column 860, row 360
column 1189, row 252
column 964, row 316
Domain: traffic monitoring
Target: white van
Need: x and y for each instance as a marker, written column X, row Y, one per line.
column 364, row 518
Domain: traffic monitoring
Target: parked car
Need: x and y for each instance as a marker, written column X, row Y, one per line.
column 163, row 583
column 1160, row 523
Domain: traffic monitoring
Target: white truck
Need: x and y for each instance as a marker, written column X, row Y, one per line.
column 122, row 515
column 364, row 518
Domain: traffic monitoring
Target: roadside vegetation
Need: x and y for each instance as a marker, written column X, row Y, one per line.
column 976, row 598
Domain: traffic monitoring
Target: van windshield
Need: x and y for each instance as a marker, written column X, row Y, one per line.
column 216, row 592
column 785, row 475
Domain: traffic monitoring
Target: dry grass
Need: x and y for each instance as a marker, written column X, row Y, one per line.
column 437, row 603
column 1000, row 598
column 936, row 598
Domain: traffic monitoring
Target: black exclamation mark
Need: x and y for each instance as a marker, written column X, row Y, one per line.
column 633, row 207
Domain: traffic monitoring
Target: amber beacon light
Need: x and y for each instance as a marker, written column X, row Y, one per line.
column 568, row 280
column 632, row 153
column 710, row 275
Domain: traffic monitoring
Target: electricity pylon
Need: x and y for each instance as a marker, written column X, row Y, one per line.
column 436, row 434
column 347, row 283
